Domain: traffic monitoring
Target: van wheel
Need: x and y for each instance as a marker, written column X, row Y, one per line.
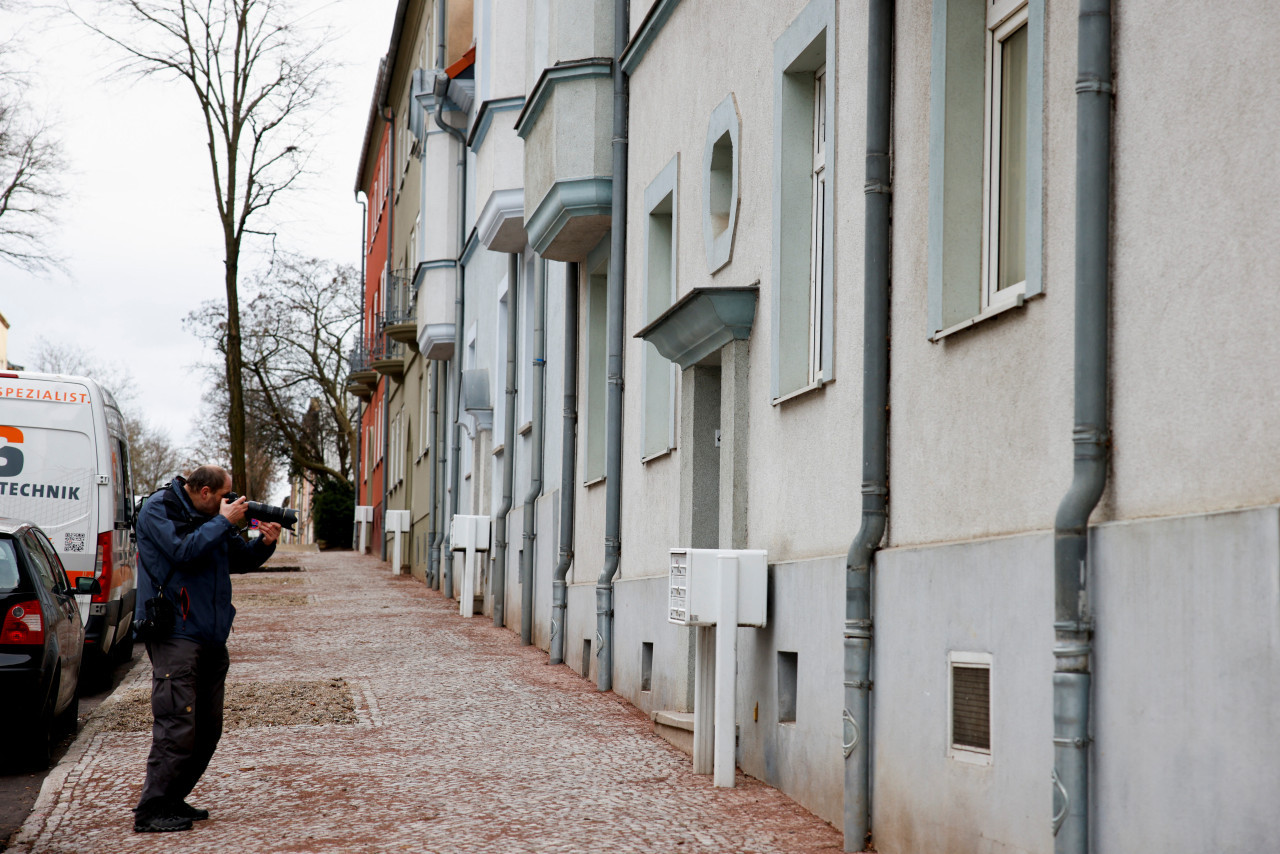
column 123, row 650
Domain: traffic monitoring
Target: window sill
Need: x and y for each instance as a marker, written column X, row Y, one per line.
column 656, row 456
column 525, row 428
column 1016, row 302
column 803, row 390
column 596, row 481
column 970, row 757
column 498, row 449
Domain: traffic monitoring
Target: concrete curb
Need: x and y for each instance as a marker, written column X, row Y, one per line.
column 49, row 806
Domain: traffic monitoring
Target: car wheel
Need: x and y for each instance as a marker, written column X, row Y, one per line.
column 69, row 720
column 95, row 670
column 39, row 748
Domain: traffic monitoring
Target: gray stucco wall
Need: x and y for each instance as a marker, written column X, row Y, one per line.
column 802, row 758
column 993, row 596
column 1187, row 683
column 1186, row 669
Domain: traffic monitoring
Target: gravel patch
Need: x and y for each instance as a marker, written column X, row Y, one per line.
column 270, row 600
column 267, row 581
column 247, row 705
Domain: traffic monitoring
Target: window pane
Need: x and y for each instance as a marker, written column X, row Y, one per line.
column 1012, row 262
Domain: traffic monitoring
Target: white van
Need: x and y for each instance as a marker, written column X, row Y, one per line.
column 64, row 464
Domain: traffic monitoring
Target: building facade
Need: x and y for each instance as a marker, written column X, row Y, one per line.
column 885, row 290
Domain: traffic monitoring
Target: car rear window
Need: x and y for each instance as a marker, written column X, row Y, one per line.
column 9, row 579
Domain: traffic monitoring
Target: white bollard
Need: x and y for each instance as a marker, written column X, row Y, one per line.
column 726, row 673
column 704, row 698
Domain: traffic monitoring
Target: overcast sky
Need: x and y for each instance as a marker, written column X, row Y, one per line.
column 139, row 229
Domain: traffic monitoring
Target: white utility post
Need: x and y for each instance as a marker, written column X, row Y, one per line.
column 364, row 516
column 398, row 522
column 717, row 590
column 470, row 534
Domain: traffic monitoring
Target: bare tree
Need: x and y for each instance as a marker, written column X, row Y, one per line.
column 31, row 166
column 53, row 357
column 300, row 327
column 296, row 333
column 254, row 72
column 153, row 456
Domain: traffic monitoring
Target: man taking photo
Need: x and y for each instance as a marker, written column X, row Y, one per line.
column 188, row 544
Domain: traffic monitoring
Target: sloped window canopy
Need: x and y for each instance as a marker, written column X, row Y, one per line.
column 701, row 322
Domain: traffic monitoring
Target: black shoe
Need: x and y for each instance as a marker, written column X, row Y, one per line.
column 183, row 809
column 160, row 823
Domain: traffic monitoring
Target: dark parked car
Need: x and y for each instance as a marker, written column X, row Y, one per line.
column 41, row 644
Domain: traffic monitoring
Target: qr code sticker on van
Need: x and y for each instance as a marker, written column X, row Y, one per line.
column 73, row 543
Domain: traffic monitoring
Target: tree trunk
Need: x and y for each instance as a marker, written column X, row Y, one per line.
column 235, row 383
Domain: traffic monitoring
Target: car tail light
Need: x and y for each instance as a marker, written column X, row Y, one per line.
column 103, row 568
column 23, row 624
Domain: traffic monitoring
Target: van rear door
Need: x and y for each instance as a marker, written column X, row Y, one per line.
column 48, row 465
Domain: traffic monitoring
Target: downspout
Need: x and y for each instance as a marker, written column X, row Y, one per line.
column 535, row 460
column 875, row 427
column 499, row 572
column 438, row 470
column 568, row 460
column 437, row 451
column 355, row 471
column 1073, row 623
column 613, row 413
column 433, row 534
column 389, row 116
column 441, row 87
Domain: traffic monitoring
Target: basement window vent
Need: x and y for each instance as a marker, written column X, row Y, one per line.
column 969, row 718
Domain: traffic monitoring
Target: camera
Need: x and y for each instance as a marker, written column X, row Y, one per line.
column 286, row 517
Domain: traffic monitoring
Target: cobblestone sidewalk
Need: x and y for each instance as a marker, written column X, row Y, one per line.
column 462, row 741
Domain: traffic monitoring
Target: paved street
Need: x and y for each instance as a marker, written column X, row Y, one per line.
column 460, row 740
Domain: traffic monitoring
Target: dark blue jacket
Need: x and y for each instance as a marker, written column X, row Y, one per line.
column 202, row 551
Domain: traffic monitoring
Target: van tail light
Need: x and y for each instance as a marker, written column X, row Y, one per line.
column 23, row 624
column 103, row 568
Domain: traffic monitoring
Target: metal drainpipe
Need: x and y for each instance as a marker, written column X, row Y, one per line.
column 355, row 471
column 616, row 295
column 437, row 470
column 433, row 393
column 499, row 571
column 875, row 427
column 389, row 116
column 568, row 460
column 1073, row 622
column 458, row 306
column 535, row 460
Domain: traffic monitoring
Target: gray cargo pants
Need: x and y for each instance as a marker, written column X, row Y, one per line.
column 188, row 680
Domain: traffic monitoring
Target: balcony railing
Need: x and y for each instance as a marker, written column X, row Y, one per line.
column 384, row 346
column 358, row 360
column 402, row 300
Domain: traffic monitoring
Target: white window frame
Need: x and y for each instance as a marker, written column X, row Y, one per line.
column 1004, row 18
column 802, row 330
column 594, row 371
column 976, row 660
column 819, row 211
column 661, row 200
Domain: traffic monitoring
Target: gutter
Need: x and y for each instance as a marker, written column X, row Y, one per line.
column 877, row 248
column 613, row 412
column 433, row 535
column 568, row 460
column 499, row 571
column 389, row 116
column 441, row 91
column 1073, row 620
column 536, row 462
